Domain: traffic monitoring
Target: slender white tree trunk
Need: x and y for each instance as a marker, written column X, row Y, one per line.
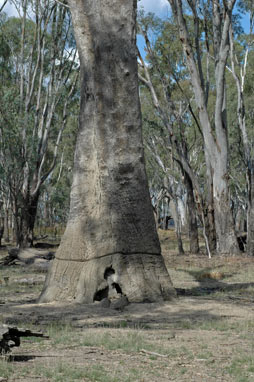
column 215, row 134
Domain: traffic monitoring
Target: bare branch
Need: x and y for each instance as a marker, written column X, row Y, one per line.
column 4, row 4
column 64, row 5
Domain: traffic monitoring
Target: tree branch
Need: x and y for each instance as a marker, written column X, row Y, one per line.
column 4, row 4
column 64, row 5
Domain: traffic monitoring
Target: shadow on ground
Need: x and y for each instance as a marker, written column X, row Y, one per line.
column 181, row 313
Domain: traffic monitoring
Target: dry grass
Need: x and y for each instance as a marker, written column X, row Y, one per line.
column 206, row 335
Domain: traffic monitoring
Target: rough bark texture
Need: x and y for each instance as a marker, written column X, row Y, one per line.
column 27, row 220
column 6, row 227
column 214, row 129
column 240, row 220
column 192, row 215
column 226, row 237
column 110, row 239
column 250, row 213
column 24, row 220
column 209, row 208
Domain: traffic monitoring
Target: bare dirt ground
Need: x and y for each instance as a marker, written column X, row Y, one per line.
column 205, row 335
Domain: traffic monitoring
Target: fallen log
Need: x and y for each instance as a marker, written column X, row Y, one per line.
column 153, row 353
column 10, row 337
column 26, row 256
column 11, row 258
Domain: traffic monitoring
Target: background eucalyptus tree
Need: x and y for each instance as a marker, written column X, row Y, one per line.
column 175, row 126
column 214, row 126
column 180, row 90
column 240, row 53
column 39, row 78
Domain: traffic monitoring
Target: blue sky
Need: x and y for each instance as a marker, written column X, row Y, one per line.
column 159, row 7
column 162, row 9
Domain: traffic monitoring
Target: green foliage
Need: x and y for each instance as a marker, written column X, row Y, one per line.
column 39, row 102
column 170, row 77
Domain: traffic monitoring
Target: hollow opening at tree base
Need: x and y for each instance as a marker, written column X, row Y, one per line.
column 101, row 294
column 139, row 277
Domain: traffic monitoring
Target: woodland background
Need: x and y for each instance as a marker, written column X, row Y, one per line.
column 39, row 120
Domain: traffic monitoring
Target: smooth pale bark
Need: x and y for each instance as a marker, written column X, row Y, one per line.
column 215, row 137
column 177, row 221
column 239, row 77
column 181, row 149
column 111, row 228
column 47, row 80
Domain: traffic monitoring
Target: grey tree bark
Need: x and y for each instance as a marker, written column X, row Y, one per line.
column 250, row 211
column 45, row 91
column 177, row 220
column 111, row 239
column 214, row 133
column 181, row 151
column 192, row 215
column 239, row 77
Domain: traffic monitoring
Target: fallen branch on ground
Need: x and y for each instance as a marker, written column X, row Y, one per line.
column 153, row 353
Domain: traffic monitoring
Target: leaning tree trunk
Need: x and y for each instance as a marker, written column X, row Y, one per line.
column 110, row 236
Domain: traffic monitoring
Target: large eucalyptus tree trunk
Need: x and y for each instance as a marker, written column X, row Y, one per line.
column 111, row 239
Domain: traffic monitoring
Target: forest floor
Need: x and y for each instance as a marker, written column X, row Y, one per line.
column 205, row 335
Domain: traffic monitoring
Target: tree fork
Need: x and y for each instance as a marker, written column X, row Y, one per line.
column 111, row 224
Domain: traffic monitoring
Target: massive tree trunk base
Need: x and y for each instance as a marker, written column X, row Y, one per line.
column 139, row 277
column 110, row 246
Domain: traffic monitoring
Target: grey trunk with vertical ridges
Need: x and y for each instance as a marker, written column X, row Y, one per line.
column 111, row 229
